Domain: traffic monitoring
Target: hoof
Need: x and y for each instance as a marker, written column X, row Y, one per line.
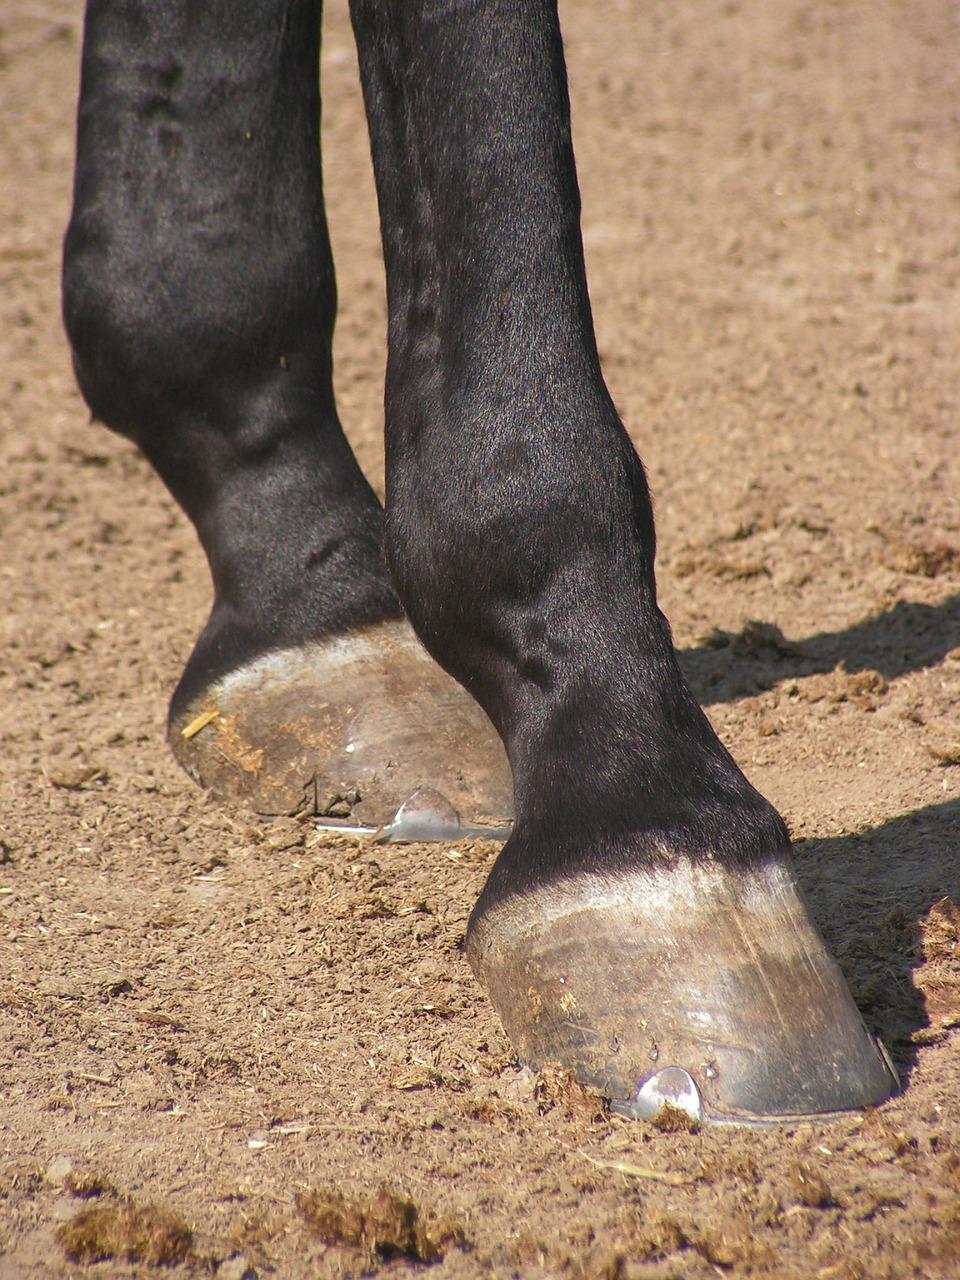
column 698, row 990
column 350, row 727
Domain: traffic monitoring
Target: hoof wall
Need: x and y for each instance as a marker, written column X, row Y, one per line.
column 351, row 728
column 697, row 989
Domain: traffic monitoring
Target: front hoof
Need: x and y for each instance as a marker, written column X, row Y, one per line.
column 699, row 989
column 351, row 726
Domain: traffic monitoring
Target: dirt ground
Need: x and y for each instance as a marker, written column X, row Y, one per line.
column 217, row 1024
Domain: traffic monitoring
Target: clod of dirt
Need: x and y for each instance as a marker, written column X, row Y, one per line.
column 656, row 1238
column 724, row 568
column 731, row 1163
column 715, row 638
column 939, row 979
column 164, row 1020
column 940, row 931
column 410, row 1078
column 87, row 1186
column 946, row 751
column 671, row 1119
column 492, row 1111
column 75, row 777
column 111, row 985
column 556, row 1087
column 476, row 852
column 926, row 560
column 732, row 1245
column 128, row 1231
column 863, row 689
column 754, row 640
column 809, row 1188
column 389, row 1225
column 763, row 639
column 950, row 1169
column 334, row 1218
column 361, row 906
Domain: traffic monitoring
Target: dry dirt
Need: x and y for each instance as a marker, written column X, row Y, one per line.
column 219, row 1025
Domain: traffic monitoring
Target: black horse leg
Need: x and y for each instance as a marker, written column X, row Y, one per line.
column 642, row 926
column 199, row 298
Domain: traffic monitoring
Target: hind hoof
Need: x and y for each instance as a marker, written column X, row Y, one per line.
column 694, row 990
column 350, row 727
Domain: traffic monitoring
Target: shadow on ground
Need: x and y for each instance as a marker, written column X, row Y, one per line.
column 871, row 895
column 907, row 638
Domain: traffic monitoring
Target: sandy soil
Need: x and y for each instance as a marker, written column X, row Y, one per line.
column 234, row 1020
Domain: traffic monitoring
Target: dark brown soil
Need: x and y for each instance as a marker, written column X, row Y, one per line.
column 213, row 1017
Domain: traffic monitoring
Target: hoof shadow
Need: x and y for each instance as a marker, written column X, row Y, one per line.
column 871, row 895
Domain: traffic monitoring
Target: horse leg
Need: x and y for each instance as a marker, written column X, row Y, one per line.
column 199, row 299
column 642, row 926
